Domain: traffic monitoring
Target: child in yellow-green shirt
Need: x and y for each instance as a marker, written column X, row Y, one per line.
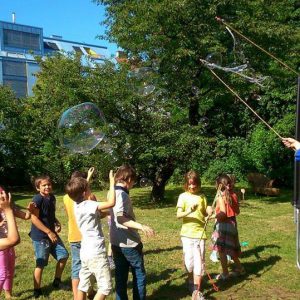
column 192, row 209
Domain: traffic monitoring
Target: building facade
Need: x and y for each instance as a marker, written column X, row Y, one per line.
column 19, row 44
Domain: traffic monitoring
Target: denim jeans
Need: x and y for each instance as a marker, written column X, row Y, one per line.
column 124, row 259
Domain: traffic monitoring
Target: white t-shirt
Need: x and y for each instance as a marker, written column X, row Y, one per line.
column 88, row 220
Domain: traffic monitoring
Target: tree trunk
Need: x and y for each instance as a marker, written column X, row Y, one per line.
column 162, row 175
column 194, row 111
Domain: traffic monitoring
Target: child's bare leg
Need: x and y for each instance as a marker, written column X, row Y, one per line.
column 60, row 267
column 223, row 260
column 81, row 295
column 8, row 294
column 197, row 281
column 37, row 277
column 99, row 296
column 238, row 264
column 75, row 283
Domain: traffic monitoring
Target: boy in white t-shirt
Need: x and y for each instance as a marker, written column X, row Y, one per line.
column 92, row 253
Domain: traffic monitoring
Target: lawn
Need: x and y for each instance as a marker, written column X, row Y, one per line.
column 265, row 223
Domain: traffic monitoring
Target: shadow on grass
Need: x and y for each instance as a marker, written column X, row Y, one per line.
column 255, row 251
column 168, row 290
column 158, row 251
column 46, row 291
column 253, row 269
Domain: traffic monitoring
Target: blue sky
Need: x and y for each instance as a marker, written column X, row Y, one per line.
column 74, row 20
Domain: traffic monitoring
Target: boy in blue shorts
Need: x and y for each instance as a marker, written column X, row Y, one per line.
column 44, row 234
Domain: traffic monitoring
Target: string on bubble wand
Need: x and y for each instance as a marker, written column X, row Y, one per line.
column 254, row 44
column 245, row 103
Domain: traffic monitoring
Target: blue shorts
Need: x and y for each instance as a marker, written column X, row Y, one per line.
column 76, row 262
column 43, row 248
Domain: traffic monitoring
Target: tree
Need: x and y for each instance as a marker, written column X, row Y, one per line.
column 173, row 35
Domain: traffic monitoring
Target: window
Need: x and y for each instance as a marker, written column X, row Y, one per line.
column 50, row 46
column 78, row 50
column 18, row 86
column 20, row 39
column 14, row 68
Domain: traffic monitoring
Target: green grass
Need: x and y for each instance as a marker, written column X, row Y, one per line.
column 266, row 223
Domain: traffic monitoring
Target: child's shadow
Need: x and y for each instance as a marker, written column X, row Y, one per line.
column 46, row 290
column 256, row 268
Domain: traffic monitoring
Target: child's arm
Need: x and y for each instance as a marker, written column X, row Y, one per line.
column 38, row 223
column 135, row 225
column 25, row 215
column 111, row 199
column 13, row 237
column 181, row 213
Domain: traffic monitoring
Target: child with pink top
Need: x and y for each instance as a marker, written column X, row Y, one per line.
column 7, row 256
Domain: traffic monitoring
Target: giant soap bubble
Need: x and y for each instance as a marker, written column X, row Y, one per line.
column 81, row 128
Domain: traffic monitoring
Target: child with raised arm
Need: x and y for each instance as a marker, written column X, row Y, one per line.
column 44, row 234
column 92, row 253
column 225, row 236
column 7, row 256
column 74, row 235
column 192, row 209
column 125, row 239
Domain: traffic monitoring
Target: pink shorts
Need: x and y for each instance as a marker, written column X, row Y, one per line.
column 7, row 268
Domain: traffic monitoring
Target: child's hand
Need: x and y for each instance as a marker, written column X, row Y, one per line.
column 52, row 236
column 90, row 173
column 5, row 201
column 193, row 207
column 148, row 231
column 31, row 207
column 57, row 227
column 111, row 177
column 209, row 210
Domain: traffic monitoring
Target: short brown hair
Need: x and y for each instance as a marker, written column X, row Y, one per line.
column 39, row 179
column 192, row 175
column 76, row 187
column 125, row 173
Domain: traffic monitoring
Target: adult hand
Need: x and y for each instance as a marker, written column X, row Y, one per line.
column 291, row 143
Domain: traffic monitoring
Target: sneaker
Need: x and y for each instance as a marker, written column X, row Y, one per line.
column 197, row 295
column 229, row 259
column 222, row 276
column 111, row 263
column 214, row 257
column 37, row 293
